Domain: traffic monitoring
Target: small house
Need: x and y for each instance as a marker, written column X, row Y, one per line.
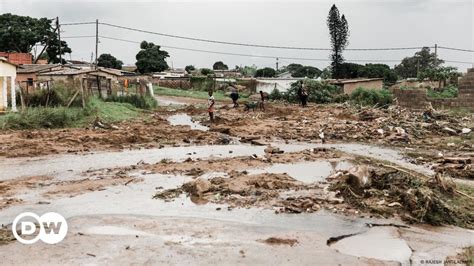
column 7, row 83
column 350, row 85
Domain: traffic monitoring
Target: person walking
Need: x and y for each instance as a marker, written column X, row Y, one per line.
column 304, row 96
column 262, row 100
column 234, row 95
column 210, row 106
column 299, row 92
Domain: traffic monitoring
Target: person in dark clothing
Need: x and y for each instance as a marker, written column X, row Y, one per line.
column 304, row 97
column 299, row 92
column 234, row 95
column 262, row 100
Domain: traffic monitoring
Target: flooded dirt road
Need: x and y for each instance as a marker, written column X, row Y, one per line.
column 121, row 223
column 174, row 189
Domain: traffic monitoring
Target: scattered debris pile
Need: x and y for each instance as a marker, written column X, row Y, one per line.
column 456, row 167
column 6, row 236
column 387, row 191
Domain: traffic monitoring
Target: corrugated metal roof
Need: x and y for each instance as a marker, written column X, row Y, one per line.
column 34, row 68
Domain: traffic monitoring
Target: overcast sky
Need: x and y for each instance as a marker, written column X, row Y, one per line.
column 372, row 24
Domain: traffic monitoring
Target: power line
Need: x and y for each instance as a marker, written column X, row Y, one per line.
column 257, row 56
column 260, row 45
column 456, row 49
column 78, row 37
column 249, row 55
column 255, row 45
column 76, row 23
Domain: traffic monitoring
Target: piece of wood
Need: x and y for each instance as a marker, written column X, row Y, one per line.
column 22, row 100
column 72, row 99
column 464, row 194
column 47, row 96
column 82, row 94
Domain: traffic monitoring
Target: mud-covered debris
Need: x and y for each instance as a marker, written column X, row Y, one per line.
column 98, row 123
column 221, row 129
column 273, row 150
column 6, row 236
column 197, row 187
column 418, row 199
column 358, row 176
column 280, row 241
column 450, row 131
column 168, row 194
column 456, row 167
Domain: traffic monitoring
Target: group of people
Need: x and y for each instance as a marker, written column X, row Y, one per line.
column 234, row 95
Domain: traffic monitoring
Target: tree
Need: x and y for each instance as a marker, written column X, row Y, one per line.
column 248, row 71
column 150, row 58
column 52, row 50
column 22, row 33
column 189, row 69
column 339, row 32
column 292, row 68
column 108, row 60
column 326, row 73
column 307, row 71
column 219, row 65
column 349, row 70
column 422, row 61
column 379, row 71
column 440, row 74
column 206, row 71
column 267, row 72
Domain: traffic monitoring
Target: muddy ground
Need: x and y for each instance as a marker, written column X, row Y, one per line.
column 328, row 184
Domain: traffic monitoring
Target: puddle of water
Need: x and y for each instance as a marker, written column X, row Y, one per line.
column 382, row 243
column 136, row 199
column 114, row 230
column 185, row 120
column 162, row 101
column 307, row 172
column 391, row 155
column 68, row 166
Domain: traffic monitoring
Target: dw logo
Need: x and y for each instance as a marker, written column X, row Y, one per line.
column 51, row 229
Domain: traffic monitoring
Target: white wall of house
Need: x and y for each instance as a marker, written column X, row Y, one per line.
column 7, row 77
column 281, row 84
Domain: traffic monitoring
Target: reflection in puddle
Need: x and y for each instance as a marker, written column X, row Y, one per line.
column 185, row 120
column 377, row 243
column 307, row 172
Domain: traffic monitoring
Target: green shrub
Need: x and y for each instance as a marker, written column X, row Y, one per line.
column 371, row 97
column 318, row 92
column 139, row 101
column 42, row 117
column 275, row 95
column 449, row 91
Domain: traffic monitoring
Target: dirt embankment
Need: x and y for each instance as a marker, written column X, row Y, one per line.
column 152, row 132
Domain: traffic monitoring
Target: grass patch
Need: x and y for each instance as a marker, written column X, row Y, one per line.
column 371, row 97
column 447, row 92
column 61, row 117
column 218, row 95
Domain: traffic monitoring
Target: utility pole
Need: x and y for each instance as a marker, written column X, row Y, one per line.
column 96, row 40
column 277, row 64
column 59, row 37
column 436, row 55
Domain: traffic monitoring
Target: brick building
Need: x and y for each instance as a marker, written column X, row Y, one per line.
column 18, row 58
